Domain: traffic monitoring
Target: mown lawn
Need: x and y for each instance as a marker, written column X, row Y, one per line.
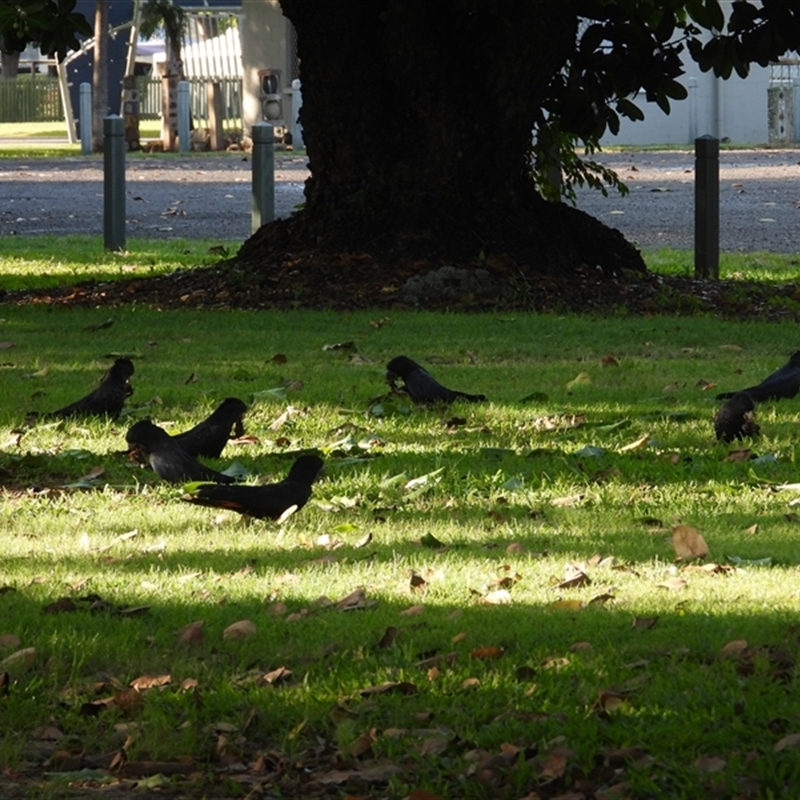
column 484, row 601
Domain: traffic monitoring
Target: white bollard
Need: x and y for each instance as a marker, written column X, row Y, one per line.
column 263, row 134
column 85, row 111
column 184, row 145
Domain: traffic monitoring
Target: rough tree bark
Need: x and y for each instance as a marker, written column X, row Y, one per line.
column 9, row 62
column 417, row 117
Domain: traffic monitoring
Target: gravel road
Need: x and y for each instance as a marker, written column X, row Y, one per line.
column 167, row 197
column 759, row 199
column 209, row 196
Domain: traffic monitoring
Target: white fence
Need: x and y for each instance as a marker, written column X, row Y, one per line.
column 231, row 89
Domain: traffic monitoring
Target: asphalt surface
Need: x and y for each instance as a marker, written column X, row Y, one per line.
column 209, row 196
column 759, row 199
column 167, row 196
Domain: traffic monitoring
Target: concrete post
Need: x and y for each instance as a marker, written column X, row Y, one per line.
column 184, row 145
column 706, row 207
column 263, row 134
column 113, row 182
column 692, row 109
column 85, row 111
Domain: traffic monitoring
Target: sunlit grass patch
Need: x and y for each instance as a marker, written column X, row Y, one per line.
column 493, row 583
column 49, row 261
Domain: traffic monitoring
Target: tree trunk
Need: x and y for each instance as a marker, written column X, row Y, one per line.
column 172, row 76
column 418, row 117
column 99, row 74
column 9, row 63
column 169, row 104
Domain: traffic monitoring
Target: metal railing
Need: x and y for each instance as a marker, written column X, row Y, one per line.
column 30, row 98
column 36, row 98
column 784, row 71
column 231, row 89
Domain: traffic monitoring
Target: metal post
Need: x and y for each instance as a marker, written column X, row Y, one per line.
column 183, row 117
column 85, row 111
column 113, row 182
column 706, row 207
column 297, row 104
column 796, row 109
column 263, row 134
column 692, row 109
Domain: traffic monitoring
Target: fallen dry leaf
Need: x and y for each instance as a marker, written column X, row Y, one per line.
column 150, row 681
column 643, row 623
column 556, row 763
column 688, row 542
column 423, row 794
column 609, row 701
column 558, row 662
column 445, row 659
column 487, row 653
column 574, row 577
column 47, row 733
column 22, row 659
column 363, row 744
column 735, row 456
column 710, row 764
column 638, row 444
column 496, row 598
column 389, row 637
column 673, row 584
column 433, row 746
column 566, row 502
column 401, row 687
column 734, row 648
column 353, row 601
column 129, row 701
column 239, row 630
column 581, row 379
column 792, row 740
column 192, row 634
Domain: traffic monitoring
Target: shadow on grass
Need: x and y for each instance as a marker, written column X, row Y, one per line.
column 470, row 677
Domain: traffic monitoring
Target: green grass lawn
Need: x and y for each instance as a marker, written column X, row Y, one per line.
column 48, row 261
column 482, row 601
column 19, row 139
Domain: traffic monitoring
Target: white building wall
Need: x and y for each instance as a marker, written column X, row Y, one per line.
column 733, row 110
column 264, row 46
